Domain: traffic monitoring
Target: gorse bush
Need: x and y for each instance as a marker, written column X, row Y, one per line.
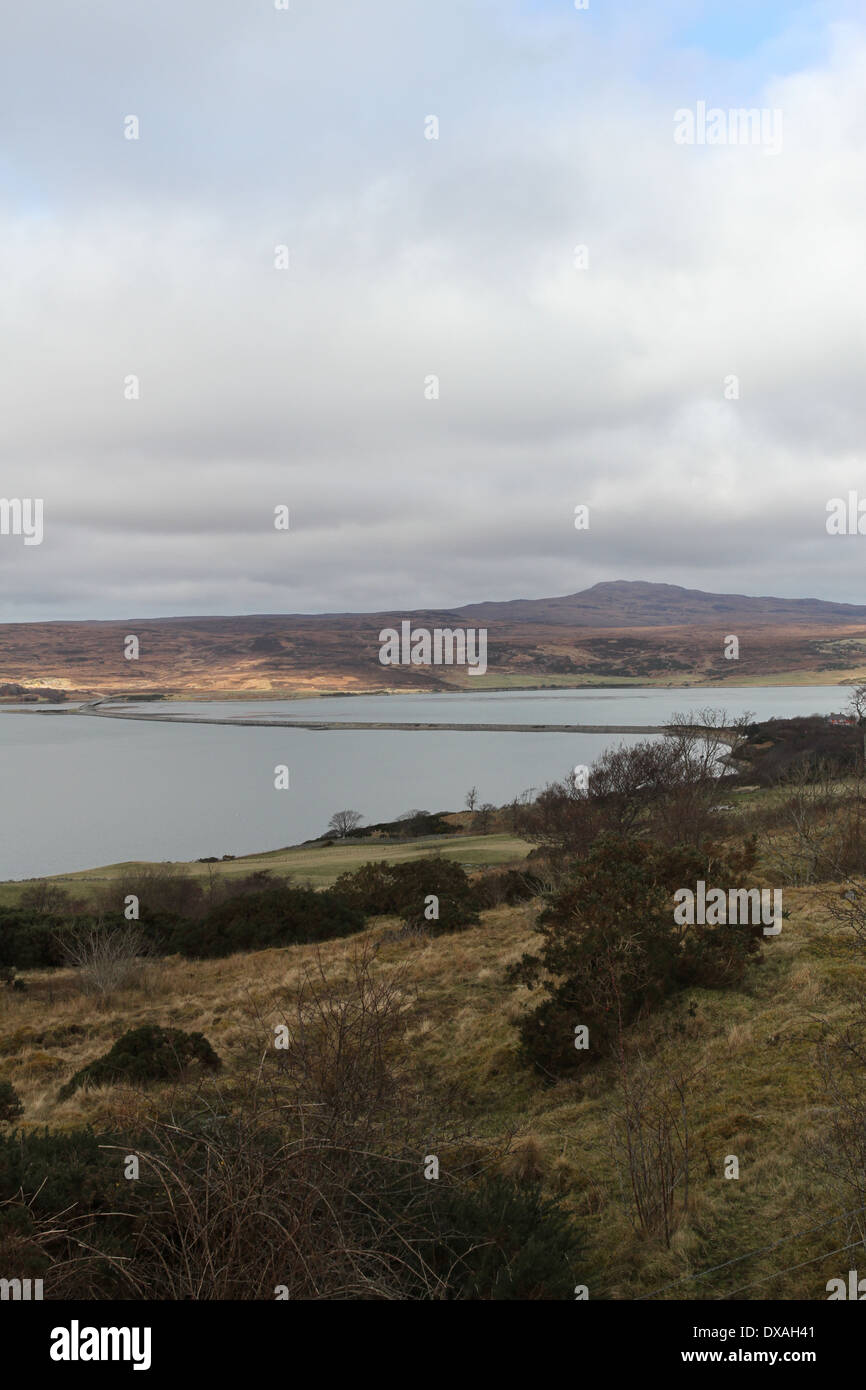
column 507, row 886
column 246, row 914
column 30, row 939
column 613, row 951
column 401, row 889
column 240, row 1206
column 501, row 1239
column 64, row 1216
column 411, row 826
column 60, row 1170
column 146, row 1054
column 805, row 747
column 10, row 1103
column 275, row 916
column 175, row 915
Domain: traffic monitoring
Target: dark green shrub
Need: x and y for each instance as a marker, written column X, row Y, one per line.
column 275, row 916
column 613, row 951
column 420, row 823
column 807, row 746
column 487, row 1238
column 57, row 1190
column 508, row 886
column 60, row 1170
column 401, row 889
column 364, row 1221
column 10, row 1103
column 29, row 939
column 504, row 1240
column 145, row 1054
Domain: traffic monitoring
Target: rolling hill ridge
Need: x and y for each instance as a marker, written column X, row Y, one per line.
column 619, row 632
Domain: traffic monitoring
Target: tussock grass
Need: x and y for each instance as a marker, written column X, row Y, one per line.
column 750, row 1055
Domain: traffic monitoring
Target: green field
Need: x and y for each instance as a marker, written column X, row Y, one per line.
column 315, row 864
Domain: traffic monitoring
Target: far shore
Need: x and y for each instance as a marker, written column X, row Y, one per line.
column 102, row 709
column 782, row 680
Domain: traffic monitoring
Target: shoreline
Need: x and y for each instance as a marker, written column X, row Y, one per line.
column 328, row 725
column 782, row 681
column 93, row 710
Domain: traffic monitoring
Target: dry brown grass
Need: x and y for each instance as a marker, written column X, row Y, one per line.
column 755, row 1093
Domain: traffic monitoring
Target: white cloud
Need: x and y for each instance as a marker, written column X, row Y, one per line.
column 411, row 257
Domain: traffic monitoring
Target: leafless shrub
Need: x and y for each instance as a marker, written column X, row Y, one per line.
column 304, row 1173
column 47, row 897
column 343, row 1036
column 256, row 1198
column 106, row 958
column 245, row 1208
column 820, row 830
column 666, row 787
column 650, row 1148
column 841, row 1153
column 158, row 887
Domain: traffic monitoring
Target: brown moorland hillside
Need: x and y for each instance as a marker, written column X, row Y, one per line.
column 623, row 632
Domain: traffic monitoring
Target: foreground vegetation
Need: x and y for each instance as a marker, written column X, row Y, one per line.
column 285, row 1105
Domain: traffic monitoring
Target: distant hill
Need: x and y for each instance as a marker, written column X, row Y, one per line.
column 623, row 632
column 635, row 603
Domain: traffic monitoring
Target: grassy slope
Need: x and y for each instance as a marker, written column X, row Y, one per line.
column 750, row 1055
column 306, row 863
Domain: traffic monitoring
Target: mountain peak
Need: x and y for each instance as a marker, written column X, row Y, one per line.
column 644, row 603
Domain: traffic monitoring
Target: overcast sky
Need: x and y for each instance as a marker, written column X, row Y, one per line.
column 559, row 384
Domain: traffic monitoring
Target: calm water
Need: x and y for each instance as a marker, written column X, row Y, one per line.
column 530, row 707
column 81, row 792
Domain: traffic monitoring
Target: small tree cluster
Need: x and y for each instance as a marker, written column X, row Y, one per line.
column 663, row 788
column 403, row 889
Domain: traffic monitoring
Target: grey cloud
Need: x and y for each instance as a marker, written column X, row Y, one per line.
column 410, row 258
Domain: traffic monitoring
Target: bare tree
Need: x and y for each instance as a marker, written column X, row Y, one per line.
column 471, row 799
column 343, row 822
column 741, row 724
column 857, row 703
column 698, row 736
